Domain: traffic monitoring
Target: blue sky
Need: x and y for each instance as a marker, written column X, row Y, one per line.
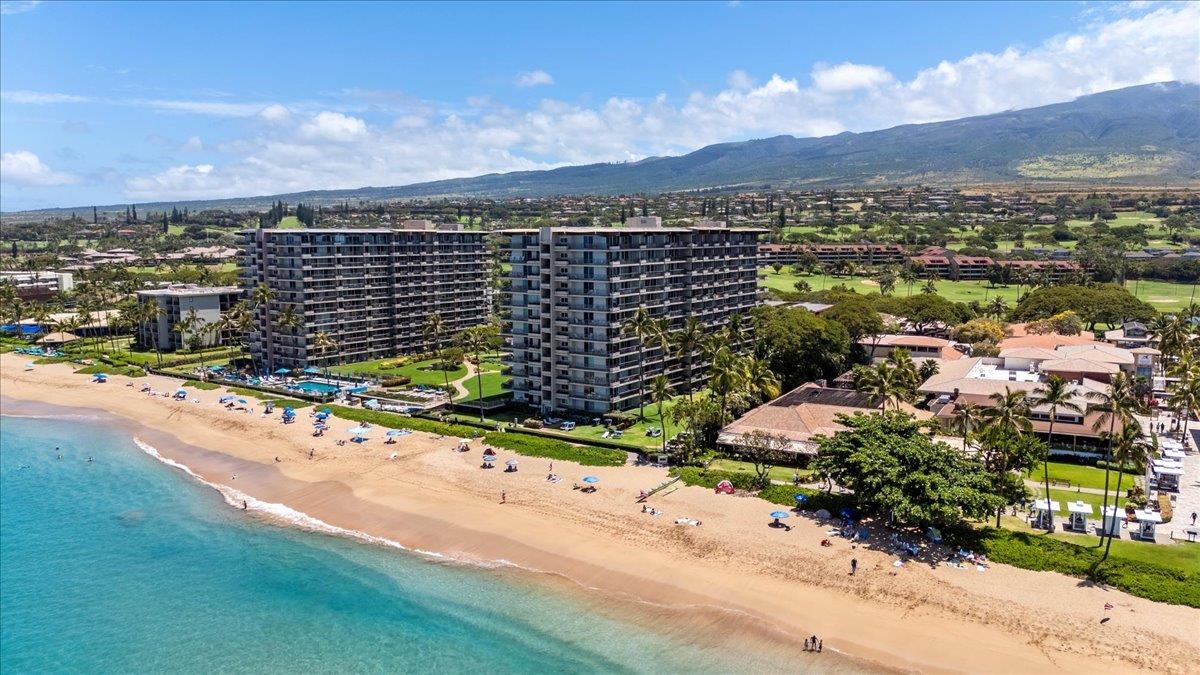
column 111, row 103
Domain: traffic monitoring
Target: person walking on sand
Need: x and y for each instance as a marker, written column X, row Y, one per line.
column 1193, row 517
column 503, row 497
column 820, row 645
column 245, row 505
column 853, row 566
column 311, row 452
column 806, row 644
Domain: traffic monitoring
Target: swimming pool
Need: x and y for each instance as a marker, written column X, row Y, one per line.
column 318, row 387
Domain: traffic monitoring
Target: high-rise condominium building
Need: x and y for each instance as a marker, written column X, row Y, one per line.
column 176, row 304
column 370, row 291
column 574, row 289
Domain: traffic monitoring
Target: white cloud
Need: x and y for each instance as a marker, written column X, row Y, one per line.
column 193, row 144
column 18, row 6
column 849, row 77
column 275, row 114
column 333, row 126
column 534, row 78
column 25, row 168
column 430, row 141
column 41, row 98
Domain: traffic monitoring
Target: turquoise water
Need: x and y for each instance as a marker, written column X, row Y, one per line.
column 128, row 565
column 319, row 387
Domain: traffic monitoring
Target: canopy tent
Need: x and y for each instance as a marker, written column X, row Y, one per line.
column 1043, row 511
column 1147, row 521
column 1111, row 518
column 1079, row 513
column 58, row 338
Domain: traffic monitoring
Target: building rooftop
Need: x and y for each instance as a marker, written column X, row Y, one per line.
column 191, row 289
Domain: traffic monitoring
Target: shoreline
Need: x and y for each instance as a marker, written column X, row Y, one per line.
column 733, row 577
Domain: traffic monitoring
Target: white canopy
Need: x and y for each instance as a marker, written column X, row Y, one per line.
column 1168, row 472
column 1147, row 516
column 1040, row 505
column 1110, row 511
column 1079, row 507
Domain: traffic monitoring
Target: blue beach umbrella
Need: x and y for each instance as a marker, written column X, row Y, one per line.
column 326, row 411
column 312, row 370
column 242, row 401
column 800, row 499
column 591, row 479
column 359, row 431
column 393, row 433
column 282, row 371
column 780, row 514
column 224, row 399
column 181, row 391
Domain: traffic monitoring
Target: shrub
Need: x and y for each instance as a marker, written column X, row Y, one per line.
column 537, row 446
column 694, row 475
column 532, row 423
column 620, row 420
column 817, row 499
column 395, row 421
column 203, row 386
column 396, row 380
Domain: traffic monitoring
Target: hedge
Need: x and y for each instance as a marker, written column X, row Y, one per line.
column 203, row 386
column 817, row 499
column 694, row 475
column 555, row 449
column 395, row 421
column 127, row 371
column 1041, row 553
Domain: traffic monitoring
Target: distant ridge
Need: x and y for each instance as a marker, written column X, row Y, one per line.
column 1149, row 134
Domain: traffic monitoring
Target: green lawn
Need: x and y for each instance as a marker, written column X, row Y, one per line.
column 494, row 384
column 779, row 473
column 384, row 368
column 1080, row 476
column 1063, row 496
column 290, row 222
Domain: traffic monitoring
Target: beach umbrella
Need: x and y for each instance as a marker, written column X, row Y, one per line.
column 325, row 411
column 359, row 431
column 224, row 399
column 181, row 391
column 591, row 480
column 101, row 375
column 800, row 499
column 282, row 371
column 489, row 458
column 779, row 514
column 312, row 370
column 242, row 401
column 393, row 433
column 511, row 462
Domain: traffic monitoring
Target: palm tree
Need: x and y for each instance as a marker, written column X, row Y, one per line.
column 1119, row 403
column 881, row 382
column 642, row 326
column 909, row 276
column 734, row 331
column 660, row 392
column 997, row 307
column 762, row 382
column 967, row 418
column 1009, row 412
column 1185, row 398
column 1056, row 394
column 1130, row 448
column 725, row 375
column 930, row 286
column 686, row 341
column 261, row 297
column 289, row 319
column 434, row 326
column 322, row 343
column 474, row 341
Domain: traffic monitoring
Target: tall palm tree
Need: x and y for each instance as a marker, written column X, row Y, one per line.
column 687, row 341
column 1130, row 448
column 289, row 320
column 881, row 383
column 433, row 329
column 997, row 307
column 967, row 418
column 762, row 382
column 735, row 331
column 725, row 375
column 642, row 326
column 475, row 341
column 1185, row 398
column 1119, row 403
column 261, row 296
column 323, row 344
column 909, row 276
column 1056, row 394
column 660, row 392
column 1009, row 412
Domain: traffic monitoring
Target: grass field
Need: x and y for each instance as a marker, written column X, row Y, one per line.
column 494, row 384
column 290, row 223
column 1080, row 476
column 779, row 473
column 1164, row 295
column 384, row 368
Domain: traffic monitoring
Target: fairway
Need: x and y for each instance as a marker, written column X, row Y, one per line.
column 1164, row 295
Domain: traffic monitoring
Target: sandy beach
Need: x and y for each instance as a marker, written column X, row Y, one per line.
column 732, row 578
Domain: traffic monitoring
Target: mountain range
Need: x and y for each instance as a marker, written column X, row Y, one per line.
column 1148, row 134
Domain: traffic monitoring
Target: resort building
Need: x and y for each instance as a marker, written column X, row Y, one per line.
column 804, row 414
column 948, row 264
column 1056, row 270
column 860, row 254
column 176, row 304
column 369, row 290
column 919, row 347
column 1131, row 334
column 37, row 286
column 572, row 290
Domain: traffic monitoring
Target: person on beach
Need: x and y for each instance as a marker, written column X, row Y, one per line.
column 245, row 505
column 1193, row 516
column 806, row 644
column 813, row 642
column 820, row 645
column 503, row 497
column 853, row 566
column 311, row 452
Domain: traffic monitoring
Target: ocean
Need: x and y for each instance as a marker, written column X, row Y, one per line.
column 126, row 564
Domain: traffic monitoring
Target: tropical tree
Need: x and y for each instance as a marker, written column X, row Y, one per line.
column 909, row 277
column 475, row 341
column 765, row 451
column 735, row 331
column 967, row 418
column 432, row 330
column 1056, row 394
column 761, row 382
column 1130, row 449
column 660, row 392
column 642, row 326
column 882, row 383
column 1119, row 404
column 726, row 375
column 1185, row 398
column 323, row 344
column 261, row 296
column 686, row 341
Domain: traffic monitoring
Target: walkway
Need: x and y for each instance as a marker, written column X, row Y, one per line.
column 460, row 390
